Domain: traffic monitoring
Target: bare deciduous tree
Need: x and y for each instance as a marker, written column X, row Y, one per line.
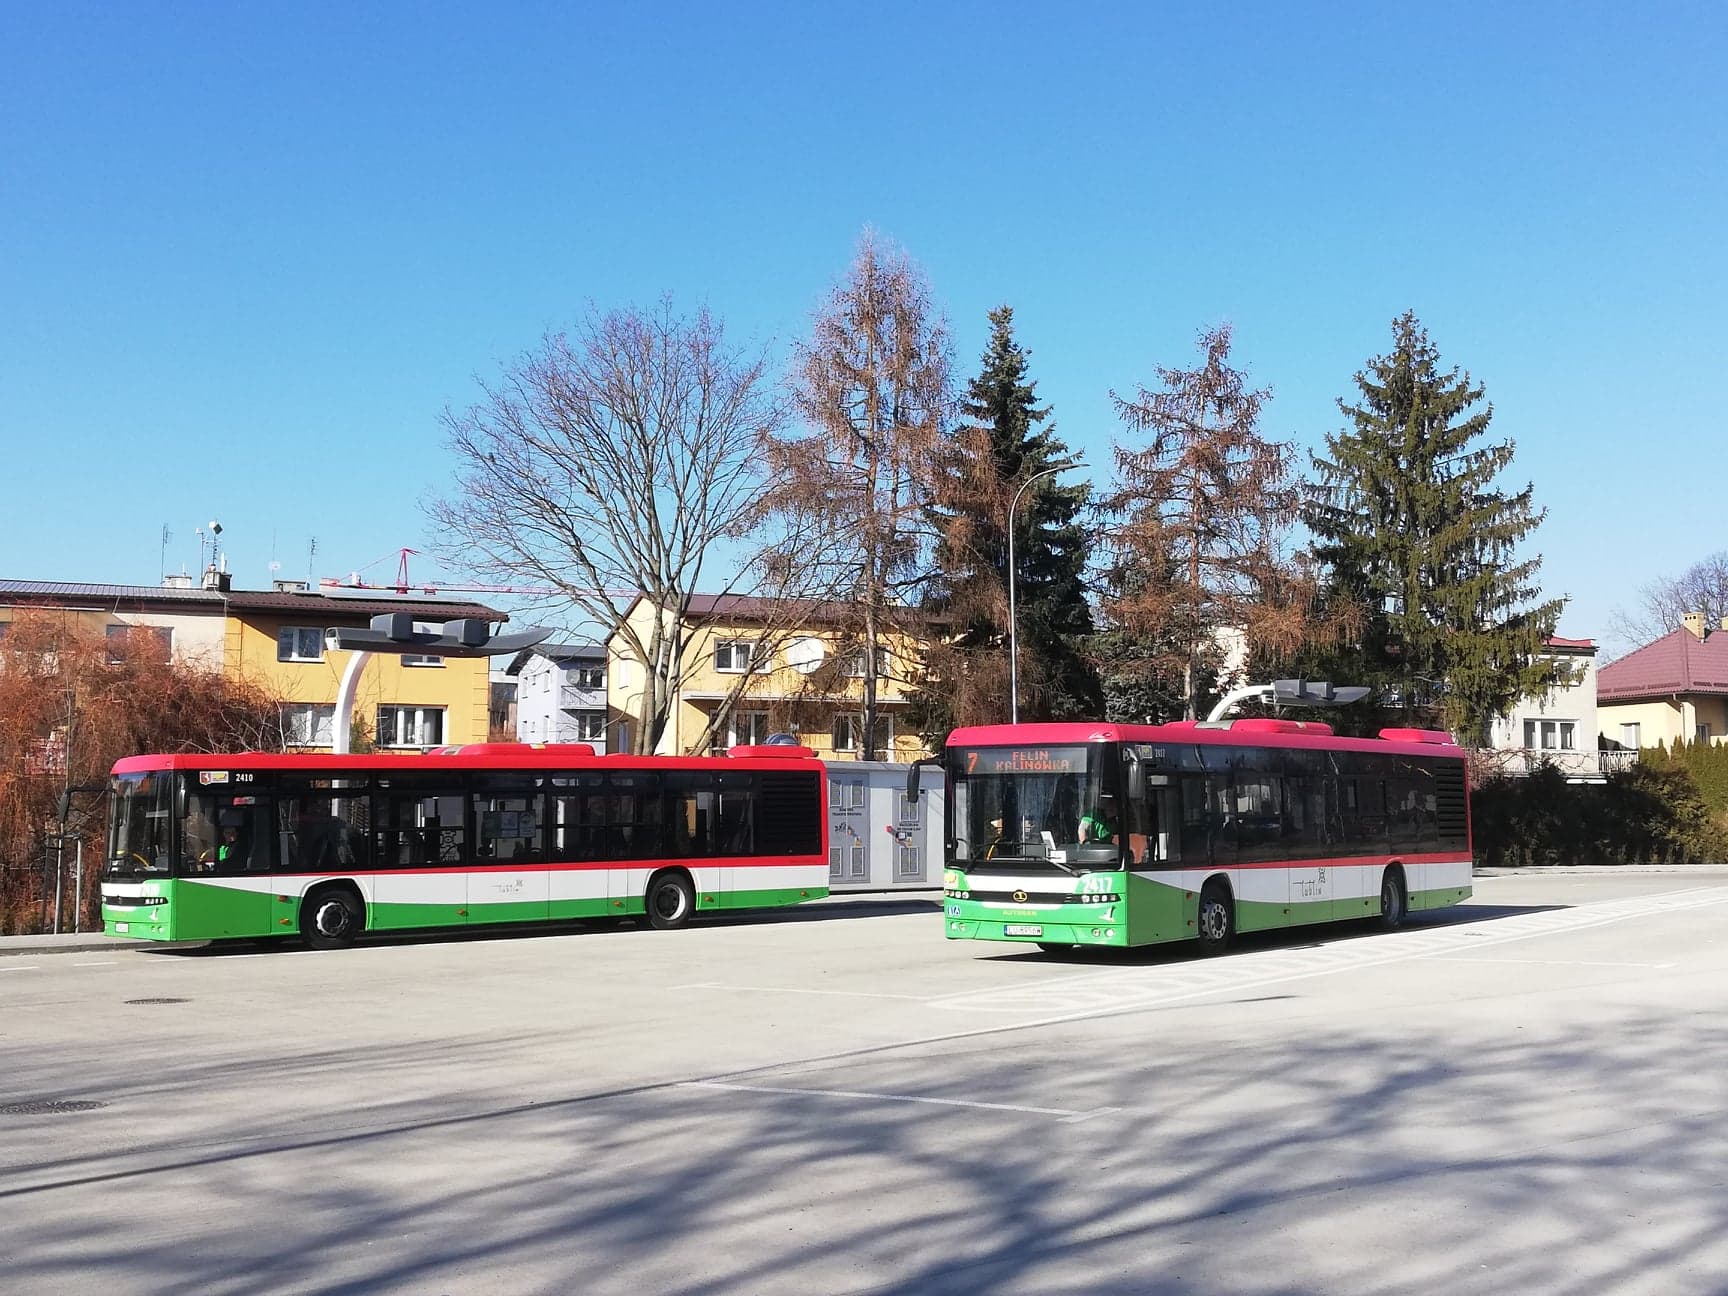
column 1702, row 587
column 872, row 384
column 622, row 461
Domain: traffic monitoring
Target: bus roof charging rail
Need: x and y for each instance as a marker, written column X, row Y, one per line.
column 1290, row 692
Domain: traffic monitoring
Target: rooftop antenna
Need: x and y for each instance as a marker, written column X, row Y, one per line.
column 311, row 553
column 167, row 535
column 216, row 559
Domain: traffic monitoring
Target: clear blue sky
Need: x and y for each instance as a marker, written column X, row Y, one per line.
column 249, row 253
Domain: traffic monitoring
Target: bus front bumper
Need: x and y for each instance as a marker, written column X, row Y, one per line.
column 1032, row 927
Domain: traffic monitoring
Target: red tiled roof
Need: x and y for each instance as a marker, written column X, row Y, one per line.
column 1574, row 645
column 1678, row 662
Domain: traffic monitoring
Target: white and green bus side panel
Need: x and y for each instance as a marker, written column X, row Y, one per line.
column 208, row 908
column 1149, row 906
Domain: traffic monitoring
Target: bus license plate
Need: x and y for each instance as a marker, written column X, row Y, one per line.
column 1022, row 929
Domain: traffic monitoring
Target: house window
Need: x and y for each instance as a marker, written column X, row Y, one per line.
column 1551, row 735
column 849, row 732
column 151, row 643
column 590, row 726
column 733, row 655
column 747, row 729
column 1703, row 734
column 422, row 659
column 1629, row 736
column 308, row 724
column 299, row 644
column 855, row 662
column 410, row 726
column 592, row 677
column 847, row 728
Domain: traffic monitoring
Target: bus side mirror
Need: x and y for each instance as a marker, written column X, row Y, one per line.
column 913, row 777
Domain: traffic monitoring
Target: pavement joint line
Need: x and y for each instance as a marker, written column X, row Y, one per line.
column 1470, row 958
column 1064, row 1114
column 850, row 994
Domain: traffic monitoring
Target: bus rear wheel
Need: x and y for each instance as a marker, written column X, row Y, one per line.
column 331, row 917
column 1394, row 899
column 1216, row 920
column 669, row 902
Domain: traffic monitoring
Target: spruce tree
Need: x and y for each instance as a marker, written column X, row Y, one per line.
column 1004, row 438
column 1413, row 529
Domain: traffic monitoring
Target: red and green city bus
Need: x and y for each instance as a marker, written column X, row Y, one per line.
column 327, row 847
column 1210, row 828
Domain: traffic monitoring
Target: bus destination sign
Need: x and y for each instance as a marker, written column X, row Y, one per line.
column 1024, row 760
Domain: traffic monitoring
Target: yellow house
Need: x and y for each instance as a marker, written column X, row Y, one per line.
column 1673, row 689
column 788, row 667
column 275, row 639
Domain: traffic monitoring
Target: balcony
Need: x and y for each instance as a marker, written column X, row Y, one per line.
column 572, row 697
column 1576, row 766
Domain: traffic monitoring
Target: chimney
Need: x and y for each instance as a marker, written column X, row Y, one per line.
column 177, row 580
column 1694, row 621
column 216, row 580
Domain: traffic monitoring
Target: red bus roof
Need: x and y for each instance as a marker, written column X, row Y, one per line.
column 470, row 756
column 1300, row 735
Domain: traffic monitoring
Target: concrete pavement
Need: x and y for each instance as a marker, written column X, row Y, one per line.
column 1516, row 1095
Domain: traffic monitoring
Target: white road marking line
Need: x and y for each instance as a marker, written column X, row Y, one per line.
column 852, row 994
column 1063, row 1114
column 1468, row 958
column 22, row 967
column 103, row 963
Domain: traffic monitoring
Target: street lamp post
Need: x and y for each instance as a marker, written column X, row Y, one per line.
column 1013, row 636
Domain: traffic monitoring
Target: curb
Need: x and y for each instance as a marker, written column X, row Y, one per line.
column 80, row 943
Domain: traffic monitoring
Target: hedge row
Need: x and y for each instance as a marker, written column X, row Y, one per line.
column 1651, row 813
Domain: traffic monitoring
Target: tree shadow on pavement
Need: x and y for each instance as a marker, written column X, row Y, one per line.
column 1481, row 1156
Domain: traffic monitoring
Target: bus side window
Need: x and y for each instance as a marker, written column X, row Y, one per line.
column 1196, row 818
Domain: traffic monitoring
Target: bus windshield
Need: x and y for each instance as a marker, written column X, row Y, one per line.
column 138, row 834
column 1053, row 805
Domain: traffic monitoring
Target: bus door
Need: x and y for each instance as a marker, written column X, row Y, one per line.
column 225, row 859
column 509, row 881
column 420, row 835
column 582, row 882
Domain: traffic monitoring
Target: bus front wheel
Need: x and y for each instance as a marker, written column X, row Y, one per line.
column 669, row 902
column 1216, row 920
column 331, row 917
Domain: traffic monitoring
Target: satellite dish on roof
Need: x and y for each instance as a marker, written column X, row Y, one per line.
column 805, row 655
